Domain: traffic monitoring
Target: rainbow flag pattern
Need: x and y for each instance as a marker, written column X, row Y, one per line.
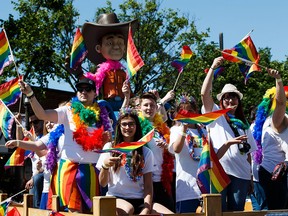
column 186, row 54
column 246, row 55
column 126, row 147
column 211, row 177
column 10, row 91
column 134, row 60
column 4, row 207
column 5, row 54
column 195, row 118
column 79, row 50
column 6, row 121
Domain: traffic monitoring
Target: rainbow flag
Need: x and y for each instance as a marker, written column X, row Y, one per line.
column 4, row 207
column 6, row 121
column 194, row 118
column 186, row 54
column 5, row 54
column 210, row 173
column 79, row 50
column 134, row 60
column 246, row 55
column 10, row 91
column 126, row 147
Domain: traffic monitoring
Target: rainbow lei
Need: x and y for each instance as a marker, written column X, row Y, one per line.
column 128, row 169
column 85, row 117
column 168, row 160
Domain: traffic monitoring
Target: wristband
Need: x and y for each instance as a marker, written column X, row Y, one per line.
column 212, row 68
column 29, row 94
column 105, row 167
column 182, row 133
column 29, row 98
column 279, row 80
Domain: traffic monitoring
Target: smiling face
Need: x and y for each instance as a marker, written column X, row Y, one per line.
column 148, row 108
column 112, row 47
column 86, row 94
column 230, row 100
column 128, row 128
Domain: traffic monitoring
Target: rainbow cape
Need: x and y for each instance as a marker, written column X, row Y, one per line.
column 186, row 54
column 10, row 91
column 210, row 171
column 134, row 60
column 79, row 50
column 194, row 118
column 6, row 121
column 246, row 55
column 126, row 147
column 5, row 54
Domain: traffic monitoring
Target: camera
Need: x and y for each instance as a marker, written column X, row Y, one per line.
column 244, row 147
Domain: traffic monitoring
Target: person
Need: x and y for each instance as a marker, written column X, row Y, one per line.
column 106, row 42
column 186, row 142
column 270, row 132
column 86, row 128
column 164, row 161
column 231, row 138
column 130, row 181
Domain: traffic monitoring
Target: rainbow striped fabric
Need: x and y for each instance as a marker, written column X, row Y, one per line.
column 126, row 147
column 5, row 54
column 211, row 177
column 245, row 50
column 79, row 50
column 6, row 121
column 4, row 207
column 186, row 54
column 10, row 91
column 194, row 118
column 134, row 60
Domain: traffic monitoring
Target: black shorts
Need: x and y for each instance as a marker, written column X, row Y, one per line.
column 138, row 204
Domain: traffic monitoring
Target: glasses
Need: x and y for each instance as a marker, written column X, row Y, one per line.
column 129, row 124
column 87, row 89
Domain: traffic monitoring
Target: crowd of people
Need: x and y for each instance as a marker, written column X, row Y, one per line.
column 142, row 180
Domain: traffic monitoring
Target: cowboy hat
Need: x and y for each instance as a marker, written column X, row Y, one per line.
column 229, row 88
column 106, row 23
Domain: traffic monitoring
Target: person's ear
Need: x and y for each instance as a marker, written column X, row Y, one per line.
column 98, row 48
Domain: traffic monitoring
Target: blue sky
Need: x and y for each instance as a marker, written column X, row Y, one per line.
column 233, row 18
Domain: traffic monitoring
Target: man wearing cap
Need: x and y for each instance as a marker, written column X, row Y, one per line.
column 106, row 41
column 232, row 139
column 86, row 129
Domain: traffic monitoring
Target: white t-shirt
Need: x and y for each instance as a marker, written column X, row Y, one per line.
column 186, row 168
column 274, row 146
column 72, row 150
column 233, row 162
column 119, row 183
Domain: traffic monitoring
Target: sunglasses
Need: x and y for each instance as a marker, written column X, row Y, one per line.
column 87, row 89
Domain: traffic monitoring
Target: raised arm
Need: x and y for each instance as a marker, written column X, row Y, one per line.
column 279, row 120
column 126, row 92
column 206, row 89
column 49, row 115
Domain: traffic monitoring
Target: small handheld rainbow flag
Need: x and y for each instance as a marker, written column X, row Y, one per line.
column 194, row 118
column 186, row 54
column 246, row 55
column 5, row 55
column 6, row 121
column 4, row 207
column 134, row 60
column 126, row 147
column 79, row 50
column 10, row 91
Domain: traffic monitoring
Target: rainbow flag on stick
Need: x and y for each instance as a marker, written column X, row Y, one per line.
column 6, row 121
column 186, row 54
column 194, row 118
column 126, row 147
column 134, row 60
column 211, row 177
column 79, row 50
column 246, row 55
column 10, row 91
column 5, row 54
column 4, row 207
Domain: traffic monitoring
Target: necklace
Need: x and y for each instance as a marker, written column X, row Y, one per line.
column 128, row 169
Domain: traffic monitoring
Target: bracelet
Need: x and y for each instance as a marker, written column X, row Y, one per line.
column 29, row 94
column 160, row 104
column 212, row 68
column 182, row 133
column 105, row 167
column 279, row 80
column 30, row 97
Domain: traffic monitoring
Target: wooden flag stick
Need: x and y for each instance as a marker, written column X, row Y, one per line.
column 176, row 81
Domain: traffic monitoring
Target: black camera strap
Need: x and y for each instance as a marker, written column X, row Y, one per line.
column 235, row 131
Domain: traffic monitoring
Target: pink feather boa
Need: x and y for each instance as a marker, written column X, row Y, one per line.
column 100, row 74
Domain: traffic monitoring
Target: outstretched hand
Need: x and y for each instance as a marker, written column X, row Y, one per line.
column 217, row 62
column 274, row 73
